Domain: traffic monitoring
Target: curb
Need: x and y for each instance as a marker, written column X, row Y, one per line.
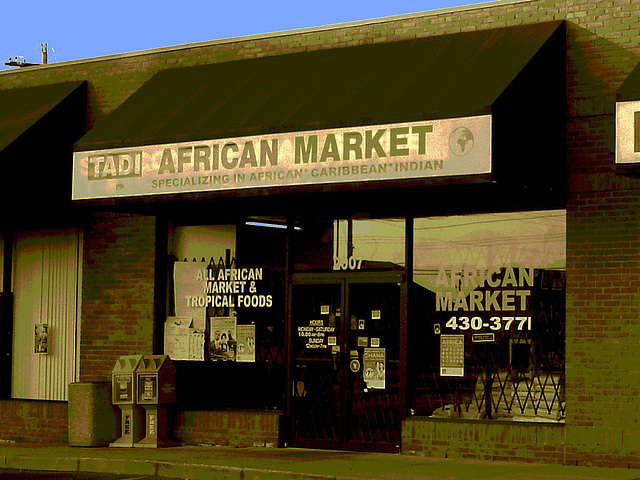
column 153, row 468
column 42, row 463
column 297, row 464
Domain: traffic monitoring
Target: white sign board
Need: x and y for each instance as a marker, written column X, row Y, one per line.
column 189, row 279
column 436, row 148
column 628, row 132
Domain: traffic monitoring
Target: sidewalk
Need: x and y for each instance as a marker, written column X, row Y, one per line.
column 212, row 463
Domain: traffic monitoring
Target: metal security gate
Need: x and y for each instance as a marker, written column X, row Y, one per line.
column 345, row 362
column 47, row 273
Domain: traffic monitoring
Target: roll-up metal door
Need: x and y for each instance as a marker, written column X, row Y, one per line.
column 46, row 278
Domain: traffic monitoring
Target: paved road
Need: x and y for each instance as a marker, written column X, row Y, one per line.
column 42, row 475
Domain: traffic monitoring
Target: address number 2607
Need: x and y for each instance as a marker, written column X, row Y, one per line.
column 350, row 263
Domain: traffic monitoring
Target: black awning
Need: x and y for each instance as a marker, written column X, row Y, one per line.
column 22, row 108
column 38, row 127
column 630, row 88
column 444, row 76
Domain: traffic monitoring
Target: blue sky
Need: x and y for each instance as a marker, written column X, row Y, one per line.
column 77, row 29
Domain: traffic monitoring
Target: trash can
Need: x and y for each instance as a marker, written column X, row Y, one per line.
column 123, row 395
column 93, row 420
column 156, row 390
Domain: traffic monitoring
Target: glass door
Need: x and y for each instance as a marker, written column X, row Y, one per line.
column 373, row 373
column 317, row 382
column 345, row 362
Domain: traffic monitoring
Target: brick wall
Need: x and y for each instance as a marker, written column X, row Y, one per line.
column 502, row 441
column 603, row 278
column 602, row 337
column 227, row 428
column 33, row 421
column 117, row 318
column 603, row 388
column 117, row 292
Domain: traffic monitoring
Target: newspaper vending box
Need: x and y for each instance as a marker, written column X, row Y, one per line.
column 123, row 395
column 156, row 389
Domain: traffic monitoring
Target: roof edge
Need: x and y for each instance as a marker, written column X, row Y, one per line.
column 284, row 33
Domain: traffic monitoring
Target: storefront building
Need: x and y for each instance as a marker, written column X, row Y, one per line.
column 415, row 234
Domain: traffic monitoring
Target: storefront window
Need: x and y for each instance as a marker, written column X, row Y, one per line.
column 225, row 331
column 350, row 245
column 486, row 334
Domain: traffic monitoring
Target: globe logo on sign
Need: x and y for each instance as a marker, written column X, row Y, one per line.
column 461, row 141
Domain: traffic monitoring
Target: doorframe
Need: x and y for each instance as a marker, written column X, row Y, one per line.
column 347, row 278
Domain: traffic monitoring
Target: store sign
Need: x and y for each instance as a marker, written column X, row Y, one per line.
column 628, row 132
column 437, row 148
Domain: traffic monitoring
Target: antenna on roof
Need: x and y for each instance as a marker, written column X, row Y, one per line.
column 15, row 62
column 18, row 63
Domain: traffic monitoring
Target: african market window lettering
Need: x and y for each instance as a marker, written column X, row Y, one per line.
column 231, row 288
column 497, row 289
column 489, row 299
column 196, row 333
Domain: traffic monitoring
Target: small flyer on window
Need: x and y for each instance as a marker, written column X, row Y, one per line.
column 41, row 340
column 196, row 344
column 182, row 341
column 223, row 340
column 452, row 355
column 374, row 363
column 246, row 348
column 189, row 285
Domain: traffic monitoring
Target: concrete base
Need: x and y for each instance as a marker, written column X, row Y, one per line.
column 93, row 421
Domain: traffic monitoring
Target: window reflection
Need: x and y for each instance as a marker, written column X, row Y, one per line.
column 488, row 242
column 351, row 244
column 487, row 324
